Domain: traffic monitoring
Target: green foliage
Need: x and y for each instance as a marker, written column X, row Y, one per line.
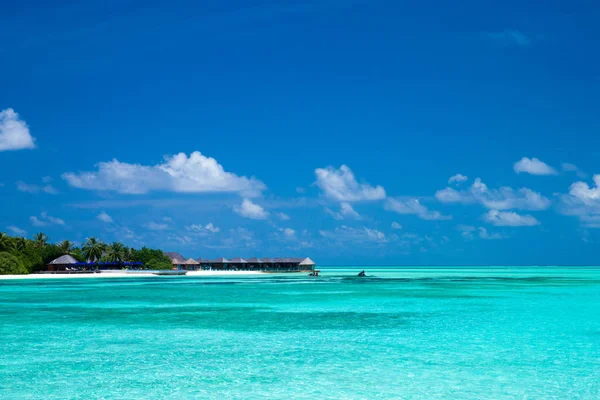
column 11, row 265
column 34, row 255
column 158, row 264
column 93, row 249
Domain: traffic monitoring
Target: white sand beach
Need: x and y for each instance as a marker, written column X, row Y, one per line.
column 125, row 274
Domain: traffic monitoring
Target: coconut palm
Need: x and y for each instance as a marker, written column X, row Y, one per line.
column 5, row 241
column 93, row 249
column 66, row 246
column 18, row 244
column 40, row 240
column 128, row 254
column 115, row 252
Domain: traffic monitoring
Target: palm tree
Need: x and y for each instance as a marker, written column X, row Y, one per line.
column 19, row 244
column 66, row 246
column 115, row 252
column 128, row 254
column 93, row 249
column 40, row 240
column 5, row 241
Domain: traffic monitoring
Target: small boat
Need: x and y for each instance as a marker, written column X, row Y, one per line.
column 169, row 273
column 314, row 273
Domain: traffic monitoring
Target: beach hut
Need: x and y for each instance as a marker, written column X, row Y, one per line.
column 255, row 263
column 267, row 263
column 307, row 264
column 219, row 263
column 62, row 263
column 190, row 264
column 238, row 263
column 176, row 259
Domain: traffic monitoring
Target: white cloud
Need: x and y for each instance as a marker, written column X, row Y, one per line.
column 414, row 207
column 509, row 218
column 346, row 211
column 104, row 217
column 251, row 210
column 156, row 226
column 289, row 232
column 484, row 234
column 14, row 132
column 468, row 232
column 396, row 225
column 341, row 185
column 283, row 216
column 208, row 228
column 30, row 188
column 178, row 173
column 348, row 234
column 567, row 167
column 533, row 166
column 504, row 198
column 583, row 201
column 458, row 178
column 45, row 220
column 510, row 37
column 17, row 231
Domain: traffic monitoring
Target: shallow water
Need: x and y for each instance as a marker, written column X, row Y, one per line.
column 401, row 333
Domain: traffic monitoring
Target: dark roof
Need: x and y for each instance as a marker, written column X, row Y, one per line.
column 220, row 260
column 254, row 260
column 238, row 260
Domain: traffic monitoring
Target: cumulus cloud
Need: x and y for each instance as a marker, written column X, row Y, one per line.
column 251, row 210
column 14, row 132
column 348, row 234
column 346, row 211
column 414, row 207
column 44, row 220
column 458, row 178
column 533, row 166
column 15, row 230
column 583, row 201
column 509, row 218
column 341, row 185
column 208, row 228
column 504, row 198
column 469, row 232
column 179, row 173
column 396, row 225
column 510, row 37
column 104, row 217
column 32, row 188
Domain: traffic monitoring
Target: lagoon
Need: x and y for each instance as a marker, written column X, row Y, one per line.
column 414, row 333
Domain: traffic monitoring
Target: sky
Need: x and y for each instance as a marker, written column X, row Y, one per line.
column 353, row 132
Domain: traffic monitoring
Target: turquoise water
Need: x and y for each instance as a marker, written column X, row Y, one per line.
column 405, row 333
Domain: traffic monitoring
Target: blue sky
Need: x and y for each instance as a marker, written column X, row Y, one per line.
column 353, row 132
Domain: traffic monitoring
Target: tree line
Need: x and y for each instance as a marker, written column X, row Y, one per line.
column 19, row 255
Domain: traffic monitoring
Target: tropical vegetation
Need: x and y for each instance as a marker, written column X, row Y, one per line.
column 19, row 255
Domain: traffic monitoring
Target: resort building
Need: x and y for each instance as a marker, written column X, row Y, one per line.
column 241, row 264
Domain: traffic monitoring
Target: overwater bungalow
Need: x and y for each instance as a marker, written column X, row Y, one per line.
column 238, row 263
column 189, row 265
column 254, row 263
column 279, row 264
column 219, row 263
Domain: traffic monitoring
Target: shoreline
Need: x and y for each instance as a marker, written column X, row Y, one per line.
column 125, row 275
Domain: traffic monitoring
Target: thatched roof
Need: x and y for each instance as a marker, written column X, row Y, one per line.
column 238, row 260
column 220, row 260
column 255, row 260
column 267, row 260
column 307, row 261
column 175, row 258
column 63, row 260
column 190, row 261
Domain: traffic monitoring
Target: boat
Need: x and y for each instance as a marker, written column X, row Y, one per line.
column 362, row 274
column 169, row 273
column 314, row 273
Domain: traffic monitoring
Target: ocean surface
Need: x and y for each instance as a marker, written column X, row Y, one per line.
column 433, row 333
